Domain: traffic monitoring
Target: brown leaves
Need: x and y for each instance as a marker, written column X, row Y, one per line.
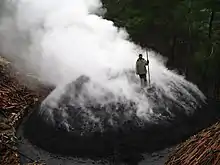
column 14, row 102
column 9, row 158
column 14, row 98
column 201, row 149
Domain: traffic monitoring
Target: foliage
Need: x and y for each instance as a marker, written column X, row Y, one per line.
column 186, row 31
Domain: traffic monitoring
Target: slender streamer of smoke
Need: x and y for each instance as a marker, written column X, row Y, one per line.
column 59, row 41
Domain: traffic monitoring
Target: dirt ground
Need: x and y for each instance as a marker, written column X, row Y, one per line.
column 17, row 98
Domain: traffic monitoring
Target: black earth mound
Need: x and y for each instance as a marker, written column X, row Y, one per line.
column 113, row 130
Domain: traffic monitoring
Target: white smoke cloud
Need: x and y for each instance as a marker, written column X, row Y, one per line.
column 60, row 40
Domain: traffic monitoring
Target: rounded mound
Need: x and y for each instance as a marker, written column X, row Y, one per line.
column 66, row 126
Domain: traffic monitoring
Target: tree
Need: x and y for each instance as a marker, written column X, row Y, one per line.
column 187, row 32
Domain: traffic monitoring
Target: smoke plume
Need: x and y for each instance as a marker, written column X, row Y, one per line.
column 58, row 41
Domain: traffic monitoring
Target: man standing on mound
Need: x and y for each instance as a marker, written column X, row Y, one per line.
column 141, row 70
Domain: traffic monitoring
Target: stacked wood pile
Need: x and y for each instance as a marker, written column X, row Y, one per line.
column 15, row 102
column 201, row 149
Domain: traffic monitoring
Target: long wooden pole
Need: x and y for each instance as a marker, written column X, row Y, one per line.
column 148, row 69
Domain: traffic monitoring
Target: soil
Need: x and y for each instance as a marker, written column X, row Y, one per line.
column 16, row 149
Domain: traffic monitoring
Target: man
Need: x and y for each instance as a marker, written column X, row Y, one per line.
column 141, row 70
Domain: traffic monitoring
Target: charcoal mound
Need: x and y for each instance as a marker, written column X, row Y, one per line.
column 97, row 130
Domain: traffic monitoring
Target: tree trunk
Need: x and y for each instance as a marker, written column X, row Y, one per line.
column 211, row 23
column 173, row 47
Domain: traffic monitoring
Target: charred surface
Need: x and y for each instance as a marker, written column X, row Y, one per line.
column 126, row 135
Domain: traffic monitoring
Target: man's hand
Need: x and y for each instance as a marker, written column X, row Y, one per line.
column 147, row 62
